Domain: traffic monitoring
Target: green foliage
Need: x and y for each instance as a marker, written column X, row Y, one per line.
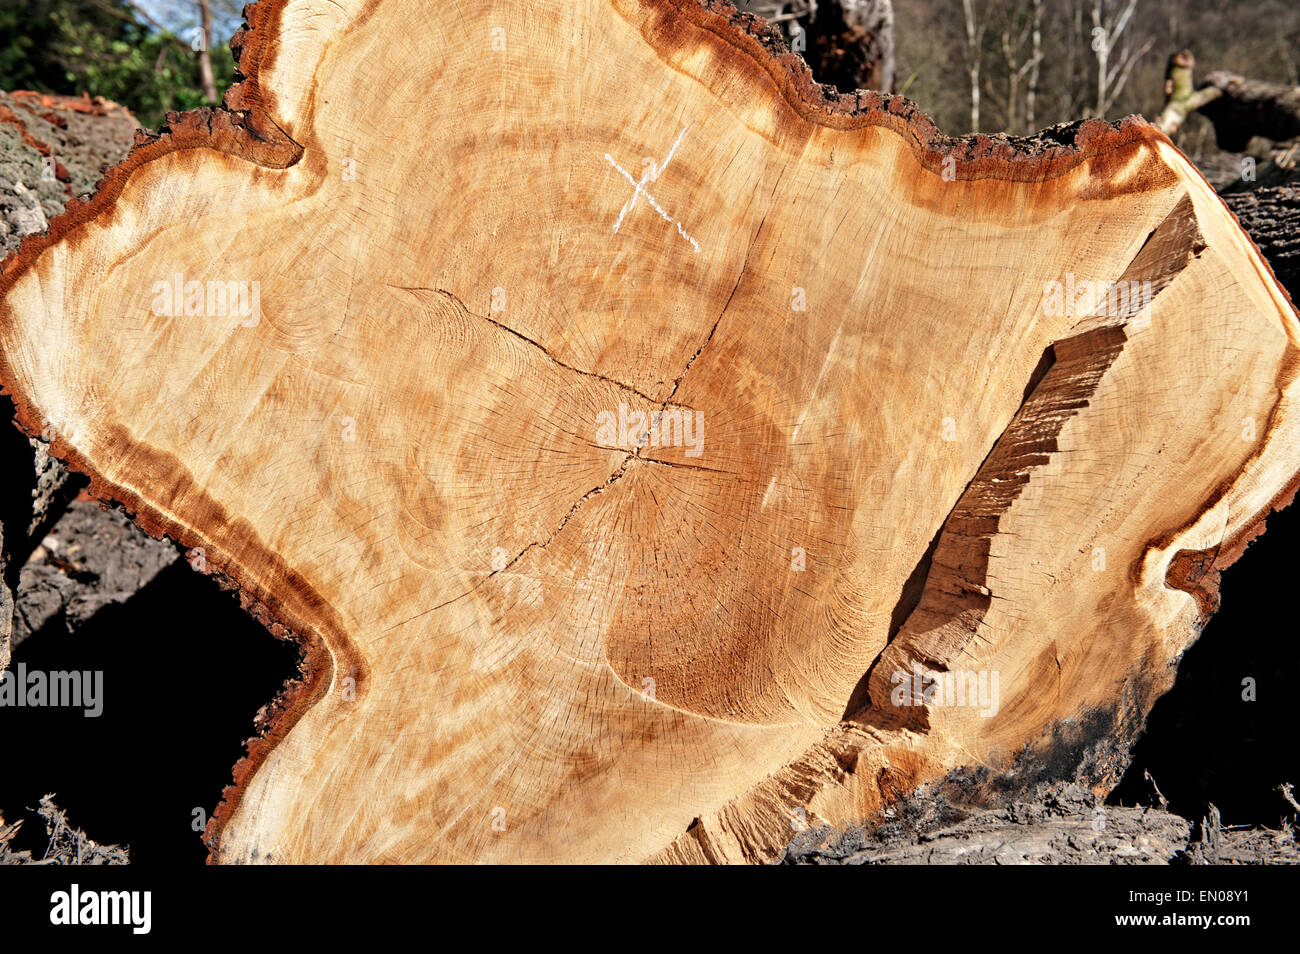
column 72, row 46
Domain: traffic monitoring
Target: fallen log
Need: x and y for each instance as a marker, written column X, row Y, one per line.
column 1271, row 217
column 55, row 148
column 1060, row 824
column 1248, row 108
column 655, row 451
column 1239, row 108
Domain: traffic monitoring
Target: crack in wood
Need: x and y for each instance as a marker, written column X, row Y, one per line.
column 955, row 596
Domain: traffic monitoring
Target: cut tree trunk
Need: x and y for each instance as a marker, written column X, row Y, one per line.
column 623, row 422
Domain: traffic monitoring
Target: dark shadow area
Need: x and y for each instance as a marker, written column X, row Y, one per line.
column 185, row 671
column 1203, row 742
column 18, row 481
column 908, row 600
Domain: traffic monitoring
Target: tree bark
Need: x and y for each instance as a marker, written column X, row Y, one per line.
column 638, row 454
column 61, row 148
column 1271, row 217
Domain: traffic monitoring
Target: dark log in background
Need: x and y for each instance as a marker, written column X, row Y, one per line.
column 183, row 665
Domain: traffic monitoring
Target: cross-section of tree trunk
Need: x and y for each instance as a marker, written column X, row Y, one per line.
column 636, row 434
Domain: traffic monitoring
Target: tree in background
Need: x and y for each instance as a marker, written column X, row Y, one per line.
column 1041, row 62
column 1114, row 61
column 115, row 49
column 974, row 58
column 973, row 65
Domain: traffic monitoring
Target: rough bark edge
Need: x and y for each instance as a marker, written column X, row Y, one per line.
column 240, row 128
column 284, row 621
column 244, row 127
column 1053, row 152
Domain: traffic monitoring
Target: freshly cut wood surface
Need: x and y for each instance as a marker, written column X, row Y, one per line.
column 479, row 252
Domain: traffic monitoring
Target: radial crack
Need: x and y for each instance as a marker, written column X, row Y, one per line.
column 455, row 299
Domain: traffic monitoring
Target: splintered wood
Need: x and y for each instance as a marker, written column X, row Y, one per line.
column 655, row 453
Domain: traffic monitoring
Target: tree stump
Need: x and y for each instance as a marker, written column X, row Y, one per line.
column 655, row 452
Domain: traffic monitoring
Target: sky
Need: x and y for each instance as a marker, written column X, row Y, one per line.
column 181, row 16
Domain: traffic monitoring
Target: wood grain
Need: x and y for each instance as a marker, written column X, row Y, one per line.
column 479, row 237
